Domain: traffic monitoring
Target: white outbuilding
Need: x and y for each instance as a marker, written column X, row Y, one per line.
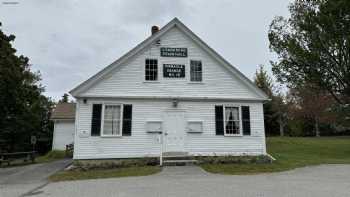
column 64, row 125
column 171, row 93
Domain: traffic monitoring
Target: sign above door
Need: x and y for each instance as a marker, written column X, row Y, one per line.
column 173, row 52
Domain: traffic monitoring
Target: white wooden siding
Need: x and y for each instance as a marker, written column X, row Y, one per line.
column 63, row 134
column 143, row 144
column 128, row 79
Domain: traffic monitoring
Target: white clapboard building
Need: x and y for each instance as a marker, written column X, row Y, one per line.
column 171, row 93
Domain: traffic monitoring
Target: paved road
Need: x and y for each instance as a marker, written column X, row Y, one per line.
column 318, row 181
column 16, row 181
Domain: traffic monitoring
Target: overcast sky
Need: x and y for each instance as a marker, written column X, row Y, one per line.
column 69, row 40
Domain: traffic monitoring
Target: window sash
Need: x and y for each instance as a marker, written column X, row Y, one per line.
column 111, row 123
column 196, row 71
column 233, row 124
column 151, row 70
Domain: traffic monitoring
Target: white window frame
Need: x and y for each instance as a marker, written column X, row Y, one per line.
column 103, row 119
column 158, row 71
column 190, row 81
column 239, row 116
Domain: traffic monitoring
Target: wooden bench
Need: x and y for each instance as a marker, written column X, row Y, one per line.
column 8, row 157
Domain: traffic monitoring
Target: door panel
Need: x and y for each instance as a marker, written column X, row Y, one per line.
column 174, row 131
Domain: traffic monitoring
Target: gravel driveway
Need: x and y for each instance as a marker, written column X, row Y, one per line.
column 17, row 181
column 318, row 181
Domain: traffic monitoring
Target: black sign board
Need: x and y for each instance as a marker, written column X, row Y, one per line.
column 173, row 70
column 173, row 52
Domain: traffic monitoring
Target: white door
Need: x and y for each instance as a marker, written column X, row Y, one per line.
column 63, row 134
column 174, row 131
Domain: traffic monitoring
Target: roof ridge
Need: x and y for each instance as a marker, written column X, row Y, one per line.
column 174, row 22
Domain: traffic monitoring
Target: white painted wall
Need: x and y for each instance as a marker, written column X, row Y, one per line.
column 128, row 79
column 63, row 134
column 141, row 143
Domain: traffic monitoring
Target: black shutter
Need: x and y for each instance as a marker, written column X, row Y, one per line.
column 96, row 120
column 219, row 120
column 246, row 120
column 127, row 120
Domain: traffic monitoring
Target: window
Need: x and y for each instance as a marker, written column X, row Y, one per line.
column 232, row 121
column 196, row 70
column 111, row 124
column 151, row 70
column 111, row 120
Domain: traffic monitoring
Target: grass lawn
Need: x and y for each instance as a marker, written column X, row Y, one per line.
column 48, row 157
column 293, row 153
column 51, row 156
column 96, row 174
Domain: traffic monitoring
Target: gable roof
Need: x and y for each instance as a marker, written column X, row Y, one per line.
column 64, row 111
column 154, row 38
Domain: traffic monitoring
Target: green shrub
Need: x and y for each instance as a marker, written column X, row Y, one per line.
column 296, row 128
column 234, row 159
column 84, row 165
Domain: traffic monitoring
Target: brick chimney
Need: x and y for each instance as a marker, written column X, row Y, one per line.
column 155, row 29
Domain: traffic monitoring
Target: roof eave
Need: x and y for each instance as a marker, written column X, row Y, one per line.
column 86, row 84
column 62, row 119
column 153, row 38
column 172, row 97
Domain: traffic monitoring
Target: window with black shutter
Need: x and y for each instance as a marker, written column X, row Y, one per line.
column 127, row 120
column 96, row 120
column 232, row 121
column 246, row 120
column 112, row 122
column 219, row 120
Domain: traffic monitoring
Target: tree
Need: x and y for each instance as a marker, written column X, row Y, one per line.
column 24, row 111
column 281, row 109
column 64, row 99
column 276, row 109
column 313, row 104
column 264, row 82
column 313, row 46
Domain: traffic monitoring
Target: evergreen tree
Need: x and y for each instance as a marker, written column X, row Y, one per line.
column 24, row 111
column 64, row 99
column 264, row 82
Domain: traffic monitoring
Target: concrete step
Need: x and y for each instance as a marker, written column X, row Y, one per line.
column 175, row 154
column 179, row 162
column 178, row 157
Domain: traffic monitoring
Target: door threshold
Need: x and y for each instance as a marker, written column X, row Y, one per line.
column 175, row 154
